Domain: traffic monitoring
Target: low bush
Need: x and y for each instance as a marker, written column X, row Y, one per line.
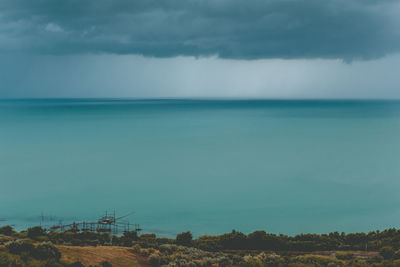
column 387, row 252
column 20, row 246
column 154, row 260
column 184, row 239
column 6, row 230
column 136, row 248
column 46, row 251
column 344, row 255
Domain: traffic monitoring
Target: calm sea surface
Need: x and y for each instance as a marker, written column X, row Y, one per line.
column 204, row 166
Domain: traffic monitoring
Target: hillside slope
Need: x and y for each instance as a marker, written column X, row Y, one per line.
column 89, row 255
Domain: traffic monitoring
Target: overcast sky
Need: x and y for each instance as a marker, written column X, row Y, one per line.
column 200, row 48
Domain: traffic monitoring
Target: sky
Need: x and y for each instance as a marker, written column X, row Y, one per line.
column 200, row 48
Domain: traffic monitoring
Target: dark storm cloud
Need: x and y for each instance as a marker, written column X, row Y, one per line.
column 241, row 29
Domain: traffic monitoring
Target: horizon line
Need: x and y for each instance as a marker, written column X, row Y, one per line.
column 202, row 99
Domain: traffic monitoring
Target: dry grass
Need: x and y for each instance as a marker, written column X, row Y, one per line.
column 117, row 256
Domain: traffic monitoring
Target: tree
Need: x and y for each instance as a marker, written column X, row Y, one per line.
column 47, row 251
column 234, row 240
column 6, row 230
column 131, row 235
column 20, row 246
column 184, row 239
column 386, row 252
column 35, row 232
column 257, row 240
column 154, row 260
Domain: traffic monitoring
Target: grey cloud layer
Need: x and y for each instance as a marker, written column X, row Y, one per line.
column 240, row 29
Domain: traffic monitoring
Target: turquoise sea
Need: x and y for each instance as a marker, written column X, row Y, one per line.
column 208, row 166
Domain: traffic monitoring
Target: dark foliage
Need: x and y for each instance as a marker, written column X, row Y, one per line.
column 244, row 250
column 260, row 240
column 6, row 230
column 387, row 252
column 20, row 246
column 35, row 232
column 21, row 253
column 184, row 239
column 46, row 251
column 105, row 264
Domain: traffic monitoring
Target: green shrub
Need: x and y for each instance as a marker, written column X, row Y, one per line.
column 208, row 243
column 105, row 264
column 314, row 260
column 131, row 235
column 148, row 241
column 20, row 246
column 35, row 232
column 344, row 255
column 76, row 264
column 49, row 263
column 6, row 230
column 7, row 259
column 386, row 252
column 47, row 251
column 397, row 255
column 233, row 240
column 169, row 249
column 164, row 240
column 184, row 239
column 154, row 260
column 145, row 252
column 147, row 236
column 136, row 248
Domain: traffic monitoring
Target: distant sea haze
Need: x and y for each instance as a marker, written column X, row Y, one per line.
column 202, row 165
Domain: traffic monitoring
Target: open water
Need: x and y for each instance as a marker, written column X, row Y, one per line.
column 208, row 166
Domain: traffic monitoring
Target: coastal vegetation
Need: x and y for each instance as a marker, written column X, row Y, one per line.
column 37, row 247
